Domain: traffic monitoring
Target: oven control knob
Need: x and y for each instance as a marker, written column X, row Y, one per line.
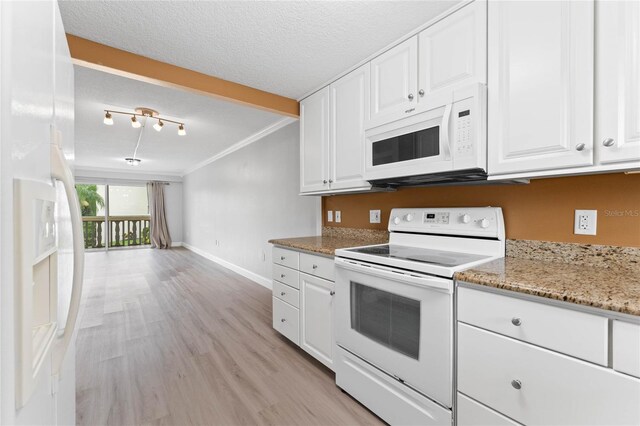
column 408, row 217
column 484, row 223
column 396, row 220
column 465, row 218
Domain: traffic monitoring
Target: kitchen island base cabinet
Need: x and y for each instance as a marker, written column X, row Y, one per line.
column 316, row 318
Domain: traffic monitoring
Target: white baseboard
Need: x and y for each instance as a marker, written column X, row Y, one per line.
column 176, row 244
column 259, row 279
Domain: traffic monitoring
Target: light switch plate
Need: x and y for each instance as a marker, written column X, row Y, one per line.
column 585, row 222
column 374, row 216
column 330, row 216
column 338, row 216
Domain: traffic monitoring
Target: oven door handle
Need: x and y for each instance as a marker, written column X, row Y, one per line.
column 435, row 283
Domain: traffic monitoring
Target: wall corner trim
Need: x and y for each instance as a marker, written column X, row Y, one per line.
column 246, row 141
column 259, row 279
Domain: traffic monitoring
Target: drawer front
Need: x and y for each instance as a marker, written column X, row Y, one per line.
column 472, row 413
column 284, row 257
column 553, row 388
column 574, row 333
column 286, row 320
column 386, row 397
column 285, row 275
column 286, row 293
column 626, row 347
column 319, row 266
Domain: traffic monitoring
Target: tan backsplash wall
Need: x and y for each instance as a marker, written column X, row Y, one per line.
column 542, row 210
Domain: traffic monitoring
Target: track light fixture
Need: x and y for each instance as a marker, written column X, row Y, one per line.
column 133, row 161
column 158, row 125
column 147, row 113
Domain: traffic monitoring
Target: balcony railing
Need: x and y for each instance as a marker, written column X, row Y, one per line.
column 124, row 231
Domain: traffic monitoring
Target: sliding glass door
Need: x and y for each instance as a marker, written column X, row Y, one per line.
column 114, row 216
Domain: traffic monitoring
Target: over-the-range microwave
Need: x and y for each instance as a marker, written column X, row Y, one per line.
column 444, row 142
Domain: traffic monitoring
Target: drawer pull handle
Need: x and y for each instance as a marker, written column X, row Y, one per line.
column 281, row 275
column 517, row 384
column 282, row 293
column 516, row 321
column 315, row 266
column 282, row 320
column 331, row 293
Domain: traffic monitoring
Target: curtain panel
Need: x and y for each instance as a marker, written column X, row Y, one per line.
column 160, row 237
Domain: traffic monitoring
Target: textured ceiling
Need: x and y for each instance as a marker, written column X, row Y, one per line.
column 212, row 125
column 288, row 48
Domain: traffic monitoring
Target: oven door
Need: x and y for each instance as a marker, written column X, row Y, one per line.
column 416, row 145
column 399, row 322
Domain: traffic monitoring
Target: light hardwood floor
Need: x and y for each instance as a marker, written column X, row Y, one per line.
column 168, row 337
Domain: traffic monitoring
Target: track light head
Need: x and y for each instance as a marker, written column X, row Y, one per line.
column 158, row 125
column 181, row 130
column 108, row 120
column 135, row 123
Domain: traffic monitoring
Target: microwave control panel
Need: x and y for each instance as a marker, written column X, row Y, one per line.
column 464, row 142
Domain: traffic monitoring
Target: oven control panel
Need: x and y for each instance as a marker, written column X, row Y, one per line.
column 471, row 221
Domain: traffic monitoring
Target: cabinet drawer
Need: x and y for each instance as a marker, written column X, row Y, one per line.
column 472, row 413
column 285, row 275
column 286, row 293
column 574, row 333
column 317, row 265
column 285, row 257
column 626, row 347
column 285, row 320
column 553, row 388
column 385, row 396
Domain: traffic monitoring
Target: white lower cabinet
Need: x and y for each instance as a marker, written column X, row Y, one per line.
column 316, row 318
column 303, row 301
column 505, row 377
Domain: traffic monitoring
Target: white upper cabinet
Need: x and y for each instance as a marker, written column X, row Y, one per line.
column 540, row 77
column 314, row 142
column 453, row 51
column 617, row 81
column 349, row 106
column 394, row 81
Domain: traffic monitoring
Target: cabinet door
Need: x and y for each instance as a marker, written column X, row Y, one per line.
column 314, row 142
column 453, row 51
column 618, row 81
column 349, row 99
column 316, row 318
column 394, row 80
column 540, row 85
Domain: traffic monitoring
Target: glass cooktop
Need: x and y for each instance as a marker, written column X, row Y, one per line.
column 417, row 254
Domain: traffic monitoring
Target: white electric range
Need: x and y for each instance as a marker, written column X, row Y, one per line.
column 394, row 309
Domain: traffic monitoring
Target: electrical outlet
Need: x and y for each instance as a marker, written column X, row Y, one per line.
column 374, row 216
column 338, row 216
column 330, row 216
column 585, row 222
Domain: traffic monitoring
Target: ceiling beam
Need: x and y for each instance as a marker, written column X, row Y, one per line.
column 108, row 59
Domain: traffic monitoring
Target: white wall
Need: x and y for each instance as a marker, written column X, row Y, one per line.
column 172, row 192
column 246, row 198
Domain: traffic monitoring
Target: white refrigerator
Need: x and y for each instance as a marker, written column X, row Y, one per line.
column 41, row 250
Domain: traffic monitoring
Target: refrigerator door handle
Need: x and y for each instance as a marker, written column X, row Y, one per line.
column 60, row 171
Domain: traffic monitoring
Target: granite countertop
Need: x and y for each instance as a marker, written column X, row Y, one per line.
column 333, row 239
column 602, row 277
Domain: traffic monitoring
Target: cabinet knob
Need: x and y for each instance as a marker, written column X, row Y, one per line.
column 281, row 275
column 608, row 142
column 281, row 257
column 324, row 181
column 315, row 266
column 517, row 384
column 580, row 147
column 282, row 320
column 516, row 321
column 282, row 293
column 330, row 180
column 410, row 97
column 332, row 292
column 421, row 92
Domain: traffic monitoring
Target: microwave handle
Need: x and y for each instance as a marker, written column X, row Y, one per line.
column 446, row 118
